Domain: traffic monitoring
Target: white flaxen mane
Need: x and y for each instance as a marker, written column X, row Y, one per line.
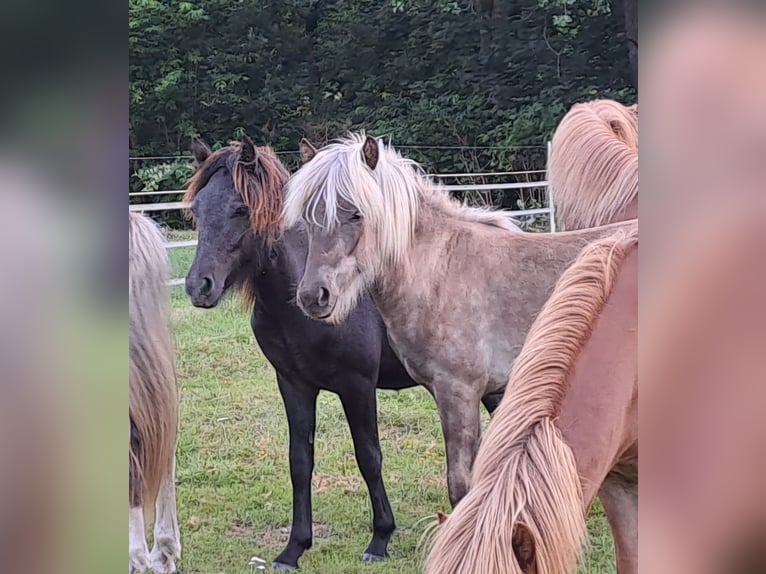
column 388, row 197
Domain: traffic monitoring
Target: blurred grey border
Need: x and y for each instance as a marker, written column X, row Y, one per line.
column 63, row 312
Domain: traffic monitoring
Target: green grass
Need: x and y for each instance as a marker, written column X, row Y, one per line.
column 234, row 496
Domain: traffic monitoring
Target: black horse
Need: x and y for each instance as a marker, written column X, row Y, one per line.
column 236, row 198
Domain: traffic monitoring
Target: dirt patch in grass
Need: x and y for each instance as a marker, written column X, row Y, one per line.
column 276, row 538
column 323, row 482
column 440, row 482
column 239, row 531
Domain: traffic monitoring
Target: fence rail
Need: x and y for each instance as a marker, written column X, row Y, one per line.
column 490, row 174
column 497, row 186
column 140, row 193
column 178, row 205
column 167, row 206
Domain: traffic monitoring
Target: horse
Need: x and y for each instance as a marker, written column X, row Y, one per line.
column 593, row 165
column 458, row 287
column 236, row 197
column 153, row 410
column 566, row 430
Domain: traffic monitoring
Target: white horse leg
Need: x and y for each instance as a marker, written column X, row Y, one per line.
column 138, row 551
column 167, row 539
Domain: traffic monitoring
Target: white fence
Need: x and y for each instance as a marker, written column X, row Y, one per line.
column 480, row 187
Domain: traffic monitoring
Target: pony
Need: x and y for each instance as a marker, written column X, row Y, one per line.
column 566, row 430
column 236, row 197
column 457, row 287
column 153, row 403
column 593, row 165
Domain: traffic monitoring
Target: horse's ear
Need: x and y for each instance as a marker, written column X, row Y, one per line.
column 370, row 151
column 524, row 548
column 247, row 151
column 200, row 151
column 307, row 150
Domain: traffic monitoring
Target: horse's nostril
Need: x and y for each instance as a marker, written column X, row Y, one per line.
column 207, row 286
column 324, row 297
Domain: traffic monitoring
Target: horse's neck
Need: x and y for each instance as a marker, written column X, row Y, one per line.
column 429, row 239
column 598, row 411
column 436, row 231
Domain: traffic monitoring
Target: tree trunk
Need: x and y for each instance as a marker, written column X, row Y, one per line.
column 630, row 10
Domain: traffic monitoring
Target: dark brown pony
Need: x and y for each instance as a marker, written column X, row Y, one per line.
column 153, row 402
column 252, row 172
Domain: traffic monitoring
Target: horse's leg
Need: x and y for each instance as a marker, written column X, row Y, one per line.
column 300, row 405
column 360, row 406
column 167, row 539
column 138, row 551
column 619, row 497
column 459, row 413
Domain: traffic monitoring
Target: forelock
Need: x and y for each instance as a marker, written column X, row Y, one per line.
column 336, row 173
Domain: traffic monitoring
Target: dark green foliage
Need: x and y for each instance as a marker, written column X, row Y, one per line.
column 492, row 73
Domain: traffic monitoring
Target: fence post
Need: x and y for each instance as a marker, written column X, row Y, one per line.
column 548, row 189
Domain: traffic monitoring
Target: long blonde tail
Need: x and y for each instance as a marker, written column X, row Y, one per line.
column 153, row 395
column 527, row 510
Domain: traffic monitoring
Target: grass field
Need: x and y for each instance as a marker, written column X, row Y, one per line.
column 234, row 493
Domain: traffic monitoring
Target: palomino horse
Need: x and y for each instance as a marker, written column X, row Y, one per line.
column 593, row 165
column 236, row 196
column 153, row 403
column 566, row 430
column 593, row 175
column 457, row 287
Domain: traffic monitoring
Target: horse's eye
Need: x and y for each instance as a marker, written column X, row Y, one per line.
column 356, row 216
column 241, row 211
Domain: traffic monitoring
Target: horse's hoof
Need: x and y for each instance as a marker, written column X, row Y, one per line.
column 370, row 558
column 138, row 561
column 164, row 554
column 282, row 566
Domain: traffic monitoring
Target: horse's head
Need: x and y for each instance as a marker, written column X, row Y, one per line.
column 355, row 219
column 235, row 197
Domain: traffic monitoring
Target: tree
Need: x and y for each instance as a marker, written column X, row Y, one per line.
column 428, row 72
